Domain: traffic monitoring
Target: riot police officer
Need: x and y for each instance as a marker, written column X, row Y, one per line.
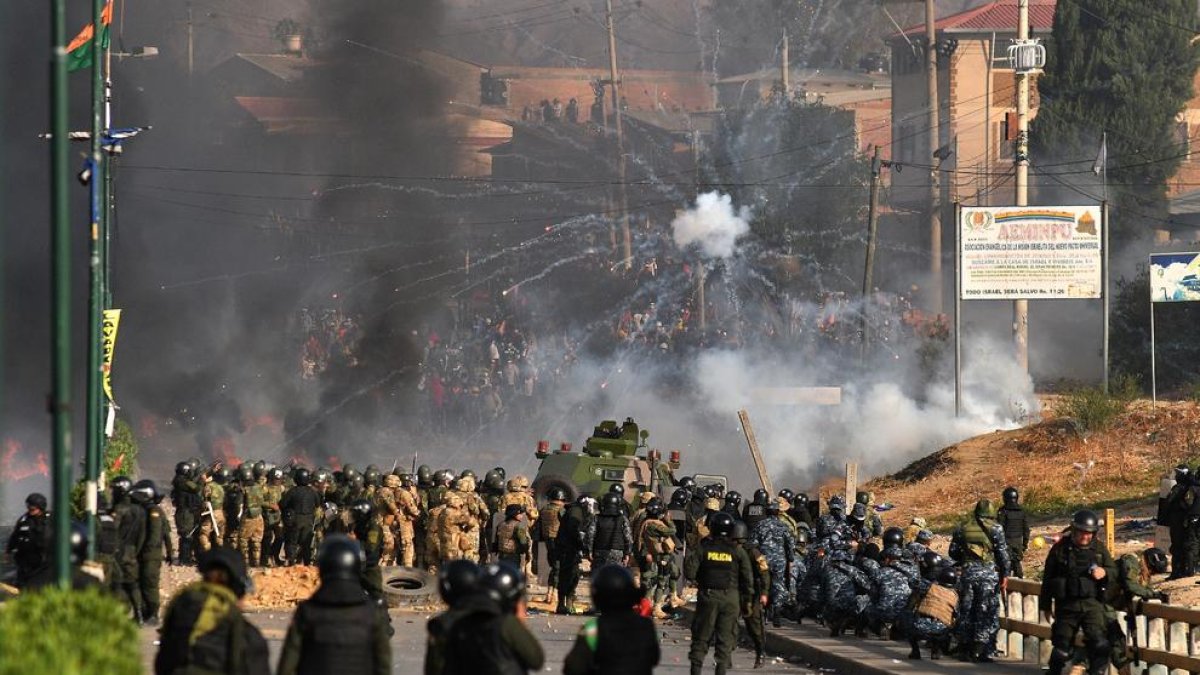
column 1016, row 528
column 156, row 544
column 298, row 508
column 185, row 497
column 1078, row 570
column 28, row 545
column 722, row 572
column 339, row 629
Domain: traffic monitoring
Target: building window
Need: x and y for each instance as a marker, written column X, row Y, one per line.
column 1004, row 147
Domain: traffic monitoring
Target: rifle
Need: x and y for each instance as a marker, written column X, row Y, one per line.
column 414, row 464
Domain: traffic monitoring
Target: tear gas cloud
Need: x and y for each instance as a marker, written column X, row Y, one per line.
column 712, row 223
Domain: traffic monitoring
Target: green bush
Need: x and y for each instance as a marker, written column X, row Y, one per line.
column 123, row 448
column 67, row 633
column 1093, row 409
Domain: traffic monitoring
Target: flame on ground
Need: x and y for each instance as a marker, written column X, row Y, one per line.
column 223, row 449
column 14, row 467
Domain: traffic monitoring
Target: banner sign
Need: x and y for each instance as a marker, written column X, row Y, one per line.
column 1175, row 277
column 1031, row 253
column 108, row 345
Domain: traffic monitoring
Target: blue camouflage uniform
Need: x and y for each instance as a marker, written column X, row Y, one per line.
column 777, row 542
column 891, row 588
column 979, row 546
column 843, row 588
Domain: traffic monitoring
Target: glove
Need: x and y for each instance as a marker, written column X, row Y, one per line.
column 1162, row 596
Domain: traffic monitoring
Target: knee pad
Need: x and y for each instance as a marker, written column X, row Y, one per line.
column 1100, row 647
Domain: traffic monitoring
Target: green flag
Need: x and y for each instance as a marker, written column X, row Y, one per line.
column 79, row 51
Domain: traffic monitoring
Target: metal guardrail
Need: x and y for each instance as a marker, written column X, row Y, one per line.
column 1169, row 635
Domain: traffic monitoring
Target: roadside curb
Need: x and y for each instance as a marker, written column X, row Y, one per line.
column 812, row 645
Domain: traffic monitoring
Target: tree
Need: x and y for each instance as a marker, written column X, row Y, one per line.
column 797, row 167
column 69, row 633
column 1175, row 324
column 1124, row 68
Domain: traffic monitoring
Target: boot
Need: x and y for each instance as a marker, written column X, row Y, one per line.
column 720, row 670
column 915, row 654
column 935, row 650
column 697, row 668
column 775, row 620
column 982, row 653
column 758, row 659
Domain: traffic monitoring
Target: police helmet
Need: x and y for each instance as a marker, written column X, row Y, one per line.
column 714, row 491
column 984, row 508
column 407, row 480
column 348, row 472
column 424, row 474
column 924, row 536
column 893, row 536
column 372, row 477
column 77, row 539
column 275, row 473
column 687, row 483
column 655, row 509
column 231, row 561
column 503, row 583
column 322, row 475
column 948, row 576
column 893, row 552
column 222, row 476
column 773, row 506
column 679, row 498
column 761, row 497
column 513, row 510
column 121, row 485
column 302, row 476
column 613, row 589
column 1182, row 472
column 1010, row 496
column 869, row 550
column 371, row 467
column 183, row 469
column 862, row 497
column 720, row 524
column 36, row 500
column 733, row 498
column 357, row 483
column 1085, row 521
column 930, row 560
column 802, row 536
column 787, row 494
column 144, row 492
column 617, row 488
column 610, row 504
column 837, row 503
column 741, row 532
column 500, row 470
column 246, row 473
column 457, row 580
column 555, row 494
column 259, row 469
column 362, row 509
column 340, row 557
column 859, row 513
column 1156, row 560
column 467, row 473
column 494, row 482
column 801, row 500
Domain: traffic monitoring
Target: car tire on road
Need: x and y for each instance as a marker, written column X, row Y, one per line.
column 544, row 483
column 408, row 586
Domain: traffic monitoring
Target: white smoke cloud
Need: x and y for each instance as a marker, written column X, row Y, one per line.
column 713, row 223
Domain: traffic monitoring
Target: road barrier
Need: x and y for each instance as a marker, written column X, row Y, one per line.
column 1168, row 635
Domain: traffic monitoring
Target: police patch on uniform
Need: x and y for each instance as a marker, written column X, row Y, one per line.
column 720, row 556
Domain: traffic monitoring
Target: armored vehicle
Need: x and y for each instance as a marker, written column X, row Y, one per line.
column 609, row 456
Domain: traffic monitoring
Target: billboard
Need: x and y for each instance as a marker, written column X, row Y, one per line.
column 1030, row 252
column 1175, row 277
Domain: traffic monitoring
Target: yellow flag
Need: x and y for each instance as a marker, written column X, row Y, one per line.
column 108, row 336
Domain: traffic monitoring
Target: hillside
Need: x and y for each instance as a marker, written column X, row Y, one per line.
column 1057, row 466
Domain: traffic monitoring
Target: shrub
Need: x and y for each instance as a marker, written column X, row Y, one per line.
column 1093, row 409
column 67, row 633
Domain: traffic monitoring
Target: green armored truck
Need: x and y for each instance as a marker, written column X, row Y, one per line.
column 608, row 457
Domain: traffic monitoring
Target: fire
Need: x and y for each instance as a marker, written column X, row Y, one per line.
column 266, row 421
column 148, row 426
column 14, row 468
column 224, row 450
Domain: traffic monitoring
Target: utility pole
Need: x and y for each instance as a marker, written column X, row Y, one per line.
column 1021, row 157
column 872, row 230
column 190, row 41
column 935, row 135
column 616, row 102
column 701, row 274
column 784, row 71
column 60, row 294
column 96, row 214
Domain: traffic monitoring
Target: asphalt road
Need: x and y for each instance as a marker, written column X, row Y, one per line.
column 557, row 634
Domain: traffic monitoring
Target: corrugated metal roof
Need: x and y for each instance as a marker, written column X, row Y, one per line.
column 999, row 17
column 287, row 67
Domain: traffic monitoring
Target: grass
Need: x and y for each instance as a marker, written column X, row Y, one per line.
column 1096, row 410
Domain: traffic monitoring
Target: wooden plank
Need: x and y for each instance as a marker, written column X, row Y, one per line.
column 1110, row 529
column 851, row 484
column 1029, row 628
column 755, row 454
column 1153, row 609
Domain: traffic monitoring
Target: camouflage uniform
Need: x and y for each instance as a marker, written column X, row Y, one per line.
column 389, row 514
column 477, row 510
column 235, row 507
column 512, row 541
column 980, row 547
column 778, row 544
column 656, row 558
column 518, row 493
column 455, row 528
column 891, row 590
column 410, row 513
column 250, row 533
column 843, row 591
column 545, row 530
column 919, row 625
column 272, row 541
column 214, row 495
